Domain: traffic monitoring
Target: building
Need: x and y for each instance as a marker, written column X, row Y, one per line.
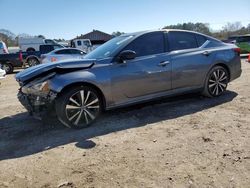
column 96, row 37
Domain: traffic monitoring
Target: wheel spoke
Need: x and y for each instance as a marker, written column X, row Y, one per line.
column 222, row 75
column 78, row 118
column 72, row 117
column 222, row 84
column 214, row 90
column 93, row 102
column 86, row 117
column 74, row 101
column 211, row 81
column 211, row 85
column 222, row 79
column 215, row 75
column 71, row 107
column 217, row 89
column 95, row 107
column 87, row 97
column 221, row 88
column 82, row 96
column 90, row 114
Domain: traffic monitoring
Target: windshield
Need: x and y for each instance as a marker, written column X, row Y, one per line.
column 108, row 48
column 1, row 45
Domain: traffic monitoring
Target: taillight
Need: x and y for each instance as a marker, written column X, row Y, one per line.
column 20, row 56
column 249, row 58
column 237, row 50
column 53, row 59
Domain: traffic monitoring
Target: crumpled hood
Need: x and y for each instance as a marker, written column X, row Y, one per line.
column 44, row 69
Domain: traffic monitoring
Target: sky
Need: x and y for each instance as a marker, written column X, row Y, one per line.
column 69, row 18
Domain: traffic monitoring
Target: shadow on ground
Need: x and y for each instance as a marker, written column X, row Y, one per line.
column 22, row 135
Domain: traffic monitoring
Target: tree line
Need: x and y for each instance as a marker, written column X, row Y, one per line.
column 230, row 29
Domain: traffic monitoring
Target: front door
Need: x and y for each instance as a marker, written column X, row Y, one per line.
column 149, row 73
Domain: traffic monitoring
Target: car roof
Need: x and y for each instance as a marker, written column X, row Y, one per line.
column 59, row 49
column 168, row 30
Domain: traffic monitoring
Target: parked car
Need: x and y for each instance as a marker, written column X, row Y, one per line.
column 82, row 44
column 34, row 58
column 62, row 54
column 16, row 60
column 2, row 73
column 242, row 41
column 32, row 44
column 129, row 69
column 3, row 48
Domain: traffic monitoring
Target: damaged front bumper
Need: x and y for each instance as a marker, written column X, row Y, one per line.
column 38, row 106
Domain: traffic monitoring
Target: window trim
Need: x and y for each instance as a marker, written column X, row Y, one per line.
column 170, row 47
column 164, row 45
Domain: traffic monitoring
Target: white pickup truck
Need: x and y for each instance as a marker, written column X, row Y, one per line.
column 32, row 44
column 82, row 44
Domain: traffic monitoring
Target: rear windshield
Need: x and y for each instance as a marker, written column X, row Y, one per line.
column 1, row 45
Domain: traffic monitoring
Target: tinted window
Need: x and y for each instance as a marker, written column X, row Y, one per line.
column 79, row 43
column 79, row 52
column 148, row 44
column 213, row 43
column 201, row 40
column 68, row 51
column 182, row 40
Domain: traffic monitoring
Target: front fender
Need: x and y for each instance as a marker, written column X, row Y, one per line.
column 100, row 80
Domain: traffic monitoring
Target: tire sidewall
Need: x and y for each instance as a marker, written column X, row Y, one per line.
column 206, row 91
column 61, row 102
column 10, row 67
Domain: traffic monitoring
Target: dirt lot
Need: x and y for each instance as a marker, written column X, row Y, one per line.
column 186, row 141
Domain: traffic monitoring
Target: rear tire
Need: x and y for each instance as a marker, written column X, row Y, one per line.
column 33, row 62
column 78, row 107
column 216, row 82
column 8, row 68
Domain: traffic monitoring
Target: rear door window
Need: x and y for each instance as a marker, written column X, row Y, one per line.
column 64, row 52
column 182, row 40
column 76, row 52
column 200, row 40
column 148, row 44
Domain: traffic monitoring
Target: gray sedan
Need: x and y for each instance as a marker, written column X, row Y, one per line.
column 129, row 69
column 62, row 54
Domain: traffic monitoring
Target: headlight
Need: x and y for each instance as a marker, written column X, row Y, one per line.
column 38, row 87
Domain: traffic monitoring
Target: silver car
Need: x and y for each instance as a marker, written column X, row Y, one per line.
column 129, row 69
column 62, row 54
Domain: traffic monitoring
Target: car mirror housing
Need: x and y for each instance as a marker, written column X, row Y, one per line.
column 127, row 55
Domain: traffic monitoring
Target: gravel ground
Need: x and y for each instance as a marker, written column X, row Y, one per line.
column 186, row 141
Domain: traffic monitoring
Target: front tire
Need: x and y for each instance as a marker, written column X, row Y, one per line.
column 78, row 107
column 216, row 82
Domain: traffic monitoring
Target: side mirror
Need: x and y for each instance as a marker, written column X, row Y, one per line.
column 127, row 55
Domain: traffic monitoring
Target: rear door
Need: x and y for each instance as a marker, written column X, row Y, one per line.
column 149, row 73
column 189, row 61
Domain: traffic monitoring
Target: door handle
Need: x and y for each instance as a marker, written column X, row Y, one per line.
column 163, row 63
column 206, row 53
